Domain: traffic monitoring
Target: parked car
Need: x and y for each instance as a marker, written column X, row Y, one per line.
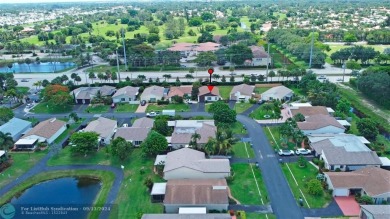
column 24, row 80
column 322, row 77
column 302, row 151
column 143, row 103
column 113, row 105
column 257, row 164
column 183, row 66
column 152, row 114
column 285, row 152
column 339, row 79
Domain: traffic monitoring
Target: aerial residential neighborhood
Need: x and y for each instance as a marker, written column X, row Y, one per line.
column 173, row 109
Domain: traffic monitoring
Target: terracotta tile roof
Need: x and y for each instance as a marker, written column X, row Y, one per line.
column 318, row 121
column 375, row 181
column 204, row 90
column 309, row 111
column 46, row 128
column 181, row 47
column 207, row 47
column 179, row 91
column 103, row 126
column 196, row 191
column 132, row 133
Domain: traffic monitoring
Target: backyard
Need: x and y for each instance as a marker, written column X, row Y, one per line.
column 179, row 107
column 260, row 90
column 22, row 162
column 124, row 107
column 261, row 113
column 241, row 107
column 303, row 175
column 224, row 91
column 241, row 150
column 243, row 186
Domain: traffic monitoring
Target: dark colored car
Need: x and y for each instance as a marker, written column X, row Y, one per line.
column 143, row 103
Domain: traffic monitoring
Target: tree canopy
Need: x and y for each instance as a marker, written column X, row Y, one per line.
column 121, row 148
column 154, row 144
column 83, row 142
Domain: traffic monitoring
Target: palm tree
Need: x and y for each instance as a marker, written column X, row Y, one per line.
column 189, row 77
column 6, row 141
column 167, row 76
column 216, row 76
column 108, row 74
column 267, row 107
column 194, row 140
column 100, row 76
column 271, row 74
column 91, row 76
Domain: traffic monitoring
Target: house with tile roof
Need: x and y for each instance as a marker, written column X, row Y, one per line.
column 308, row 110
column 343, row 151
column 104, row 127
column 135, row 135
column 209, row 193
column 125, row 94
column 371, row 181
column 179, row 91
column 187, row 163
column 277, row 93
column 320, row 124
column 153, row 93
column 47, row 130
column 242, row 92
column 206, row 96
column 143, row 122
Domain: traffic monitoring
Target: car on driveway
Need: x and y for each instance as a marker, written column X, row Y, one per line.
column 143, row 103
column 285, row 152
column 302, row 151
column 152, row 114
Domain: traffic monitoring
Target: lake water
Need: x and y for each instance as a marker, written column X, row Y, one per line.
column 58, row 193
column 43, row 67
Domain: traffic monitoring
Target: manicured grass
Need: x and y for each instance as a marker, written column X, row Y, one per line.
column 43, row 107
column 23, row 90
column 125, row 107
column 279, row 142
column 242, row 107
column 259, row 216
column 207, row 106
column 65, row 157
column 260, row 90
column 22, row 162
column 239, row 150
column 71, row 128
column 259, row 113
column 303, row 175
column 238, row 128
column 224, row 91
column 106, row 177
column 243, row 186
column 179, row 107
column 97, row 109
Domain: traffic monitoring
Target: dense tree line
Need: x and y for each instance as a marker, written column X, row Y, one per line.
column 376, row 85
column 357, row 53
column 319, row 93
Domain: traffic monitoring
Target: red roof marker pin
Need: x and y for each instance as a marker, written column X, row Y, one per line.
column 210, row 71
column 210, row 87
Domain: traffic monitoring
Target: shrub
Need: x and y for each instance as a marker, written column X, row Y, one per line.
column 252, row 101
column 314, row 187
column 148, row 183
column 337, row 170
column 365, row 199
column 315, row 161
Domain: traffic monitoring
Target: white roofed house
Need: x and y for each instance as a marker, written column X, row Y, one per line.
column 343, row 151
column 206, row 96
column 104, row 127
column 242, row 92
column 281, row 93
column 153, row 93
column 125, row 94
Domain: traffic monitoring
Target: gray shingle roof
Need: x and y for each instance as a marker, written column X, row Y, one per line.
column 128, row 91
column 339, row 156
column 143, row 122
column 153, row 90
column 318, row 121
column 378, row 211
column 103, row 126
column 132, row 133
column 244, row 89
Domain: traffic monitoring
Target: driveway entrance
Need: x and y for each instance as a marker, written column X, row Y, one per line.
column 348, row 205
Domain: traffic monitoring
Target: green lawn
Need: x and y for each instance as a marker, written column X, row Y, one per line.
column 243, row 186
column 23, row 90
column 72, row 127
column 43, row 107
column 179, row 107
column 260, row 90
column 242, row 107
column 239, row 150
column 259, row 113
column 97, row 109
column 238, row 128
column 224, row 91
column 22, row 162
column 279, row 143
column 303, row 175
column 125, row 107
column 207, row 106
column 65, row 157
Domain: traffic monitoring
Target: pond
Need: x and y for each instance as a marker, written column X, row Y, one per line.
column 66, row 192
column 43, row 67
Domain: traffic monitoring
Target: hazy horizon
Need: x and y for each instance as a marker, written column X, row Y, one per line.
column 42, row 1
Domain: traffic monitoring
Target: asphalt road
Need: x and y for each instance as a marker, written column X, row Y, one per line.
column 282, row 201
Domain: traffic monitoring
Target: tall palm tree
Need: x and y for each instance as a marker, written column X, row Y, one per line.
column 91, row 76
column 194, row 140
column 6, row 142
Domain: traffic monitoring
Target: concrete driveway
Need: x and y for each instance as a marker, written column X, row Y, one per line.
column 142, row 109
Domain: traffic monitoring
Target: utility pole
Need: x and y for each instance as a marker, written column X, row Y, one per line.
column 311, row 47
column 117, row 66
column 124, row 48
column 343, row 70
column 266, row 73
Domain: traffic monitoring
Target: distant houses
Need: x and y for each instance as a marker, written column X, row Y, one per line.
column 84, row 95
column 192, row 49
column 260, row 57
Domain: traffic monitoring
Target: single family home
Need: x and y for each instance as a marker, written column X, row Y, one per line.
column 375, row 211
column 104, row 127
column 308, row 110
column 125, row 94
column 184, row 129
column 242, row 92
column 84, row 95
column 153, row 93
column 371, row 181
column 205, row 95
column 180, row 91
column 281, row 93
column 343, row 151
column 209, row 193
column 135, row 135
column 47, row 130
column 320, row 124
column 260, row 57
column 187, row 163
column 16, row 127
column 143, row 122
